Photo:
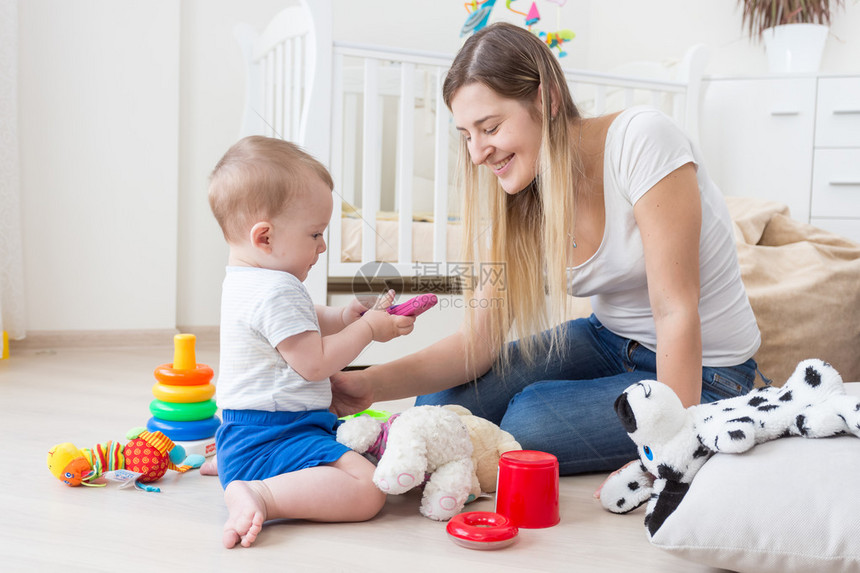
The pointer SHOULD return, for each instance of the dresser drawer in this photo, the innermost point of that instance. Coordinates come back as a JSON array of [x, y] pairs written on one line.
[[836, 183], [837, 122], [757, 138], [848, 228]]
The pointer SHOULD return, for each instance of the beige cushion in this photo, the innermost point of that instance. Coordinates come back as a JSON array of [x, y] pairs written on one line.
[[804, 287]]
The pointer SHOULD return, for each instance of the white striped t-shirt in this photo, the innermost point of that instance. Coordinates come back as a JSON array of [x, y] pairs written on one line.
[[259, 309]]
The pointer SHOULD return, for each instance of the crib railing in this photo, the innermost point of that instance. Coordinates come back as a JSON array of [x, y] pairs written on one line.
[[365, 75], [595, 93], [278, 74]]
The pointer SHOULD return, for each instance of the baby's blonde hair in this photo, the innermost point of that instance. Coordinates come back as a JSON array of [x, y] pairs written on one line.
[[257, 179], [526, 235]]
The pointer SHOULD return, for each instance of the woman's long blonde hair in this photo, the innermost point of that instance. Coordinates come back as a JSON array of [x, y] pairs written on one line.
[[526, 236]]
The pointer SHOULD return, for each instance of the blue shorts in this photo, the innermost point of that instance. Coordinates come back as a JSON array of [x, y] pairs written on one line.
[[256, 445]]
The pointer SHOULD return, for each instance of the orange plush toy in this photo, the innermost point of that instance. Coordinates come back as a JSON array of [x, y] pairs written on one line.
[[150, 454]]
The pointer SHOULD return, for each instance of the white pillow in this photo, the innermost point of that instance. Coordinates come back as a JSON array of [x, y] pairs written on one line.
[[792, 504]]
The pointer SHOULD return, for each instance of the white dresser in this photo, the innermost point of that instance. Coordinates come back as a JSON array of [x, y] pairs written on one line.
[[793, 139]]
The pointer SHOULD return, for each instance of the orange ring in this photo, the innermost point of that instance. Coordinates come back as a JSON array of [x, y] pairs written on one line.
[[183, 394], [481, 530], [167, 374]]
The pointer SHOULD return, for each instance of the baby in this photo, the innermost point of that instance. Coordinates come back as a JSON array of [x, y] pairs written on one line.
[[277, 453]]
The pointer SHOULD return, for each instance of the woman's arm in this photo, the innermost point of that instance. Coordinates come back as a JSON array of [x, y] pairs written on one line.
[[669, 217]]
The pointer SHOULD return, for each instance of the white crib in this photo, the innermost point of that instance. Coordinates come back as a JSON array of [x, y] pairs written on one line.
[[375, 116]]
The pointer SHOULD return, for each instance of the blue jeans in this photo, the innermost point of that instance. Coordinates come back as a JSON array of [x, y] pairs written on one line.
[[565, 407]]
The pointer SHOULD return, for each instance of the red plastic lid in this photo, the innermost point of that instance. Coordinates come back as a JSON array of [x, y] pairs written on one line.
[[483, 527], [529, 458]]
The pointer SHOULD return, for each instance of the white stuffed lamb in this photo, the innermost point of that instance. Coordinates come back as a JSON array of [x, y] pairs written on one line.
[[422, 441]]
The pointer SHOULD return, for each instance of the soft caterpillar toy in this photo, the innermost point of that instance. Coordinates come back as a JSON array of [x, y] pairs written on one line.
[[150, 454]]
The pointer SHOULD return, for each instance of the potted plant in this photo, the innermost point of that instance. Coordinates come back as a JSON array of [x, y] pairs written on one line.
[[794, 31]]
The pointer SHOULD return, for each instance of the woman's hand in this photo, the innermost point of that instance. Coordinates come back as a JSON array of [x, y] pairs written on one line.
[[351, 392]]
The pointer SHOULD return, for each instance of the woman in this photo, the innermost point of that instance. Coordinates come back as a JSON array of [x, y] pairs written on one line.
[[618, 208]]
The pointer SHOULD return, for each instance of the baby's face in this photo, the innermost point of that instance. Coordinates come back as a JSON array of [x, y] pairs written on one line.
[[298, 234]]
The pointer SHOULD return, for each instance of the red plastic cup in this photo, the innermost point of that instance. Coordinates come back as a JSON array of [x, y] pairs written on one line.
[[527, 491]]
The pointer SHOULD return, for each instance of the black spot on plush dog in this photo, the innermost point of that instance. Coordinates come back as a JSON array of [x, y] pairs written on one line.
[[625, 413], [737, 435], [675, 442], [813, 376]]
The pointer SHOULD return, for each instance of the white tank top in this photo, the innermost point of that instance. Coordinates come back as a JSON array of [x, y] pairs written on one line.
[[643, 146]]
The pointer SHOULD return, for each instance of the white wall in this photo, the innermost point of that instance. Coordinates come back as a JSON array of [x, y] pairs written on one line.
[[620, 30], [99, 135], [211, 103], [125, 108]]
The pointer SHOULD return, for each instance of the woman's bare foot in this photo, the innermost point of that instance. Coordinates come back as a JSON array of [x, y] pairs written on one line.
[[210, 467], [247, 510]]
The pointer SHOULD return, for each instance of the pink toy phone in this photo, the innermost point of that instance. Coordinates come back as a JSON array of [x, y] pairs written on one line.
[[413, 306]]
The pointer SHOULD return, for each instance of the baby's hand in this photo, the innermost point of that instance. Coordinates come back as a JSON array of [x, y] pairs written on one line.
[[359, 305], [386, 326]]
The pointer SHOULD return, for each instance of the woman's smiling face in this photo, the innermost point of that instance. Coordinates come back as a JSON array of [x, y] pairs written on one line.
[[503, 134]]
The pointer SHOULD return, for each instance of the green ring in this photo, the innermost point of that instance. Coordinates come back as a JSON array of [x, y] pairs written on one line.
[[380, 415], [183, 411]]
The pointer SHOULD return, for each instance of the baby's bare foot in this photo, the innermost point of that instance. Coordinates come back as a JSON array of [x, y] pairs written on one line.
[[247, 513], [210, 467]]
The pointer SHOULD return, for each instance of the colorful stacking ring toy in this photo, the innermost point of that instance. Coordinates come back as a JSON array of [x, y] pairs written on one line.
[[481, 530], [183, 408], [183, 411]]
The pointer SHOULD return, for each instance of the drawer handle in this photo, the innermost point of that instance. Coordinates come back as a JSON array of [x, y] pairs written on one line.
[[846, 111], [784, 112], [845, 183]]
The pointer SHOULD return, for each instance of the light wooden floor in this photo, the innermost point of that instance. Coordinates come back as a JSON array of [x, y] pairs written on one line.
[[87, 396]]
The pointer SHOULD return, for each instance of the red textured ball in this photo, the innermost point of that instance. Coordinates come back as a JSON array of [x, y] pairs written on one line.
[[143, 458]]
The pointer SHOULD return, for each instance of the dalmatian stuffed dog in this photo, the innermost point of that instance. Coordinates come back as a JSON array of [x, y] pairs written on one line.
[[674, 442]]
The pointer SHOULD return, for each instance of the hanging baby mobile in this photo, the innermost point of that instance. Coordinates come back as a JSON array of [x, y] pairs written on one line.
[[479, 14]]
